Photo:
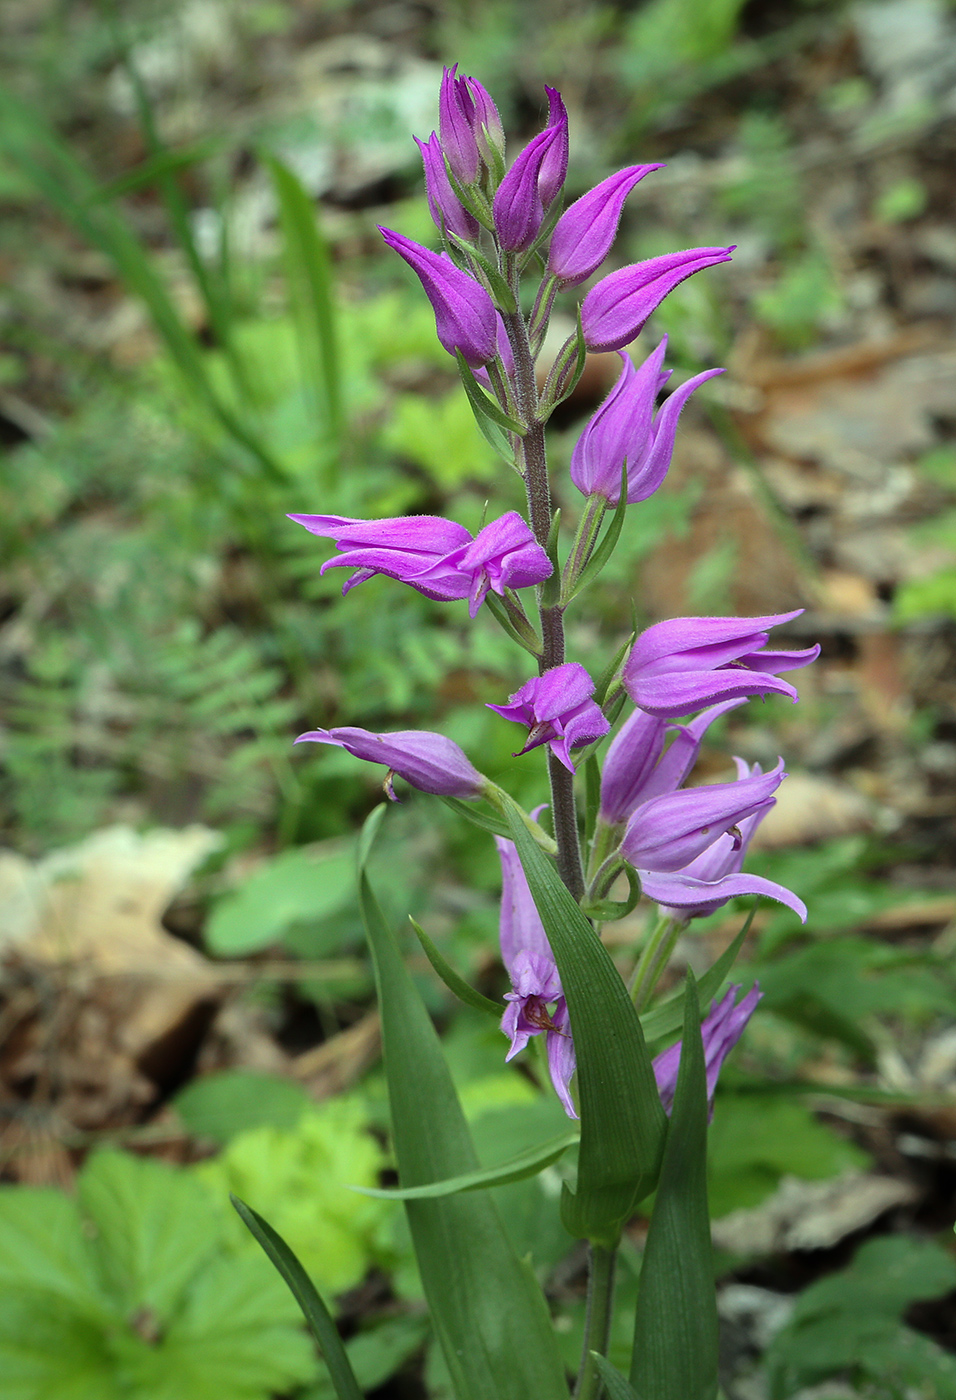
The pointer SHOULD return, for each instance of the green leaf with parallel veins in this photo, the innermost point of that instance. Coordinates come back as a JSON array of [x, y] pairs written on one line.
[[622, 1122], [615, 1384], [483, 405], [675, 1325], [489, 1313]]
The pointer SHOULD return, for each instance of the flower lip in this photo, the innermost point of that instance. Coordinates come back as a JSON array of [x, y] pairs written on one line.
[[558, 710]]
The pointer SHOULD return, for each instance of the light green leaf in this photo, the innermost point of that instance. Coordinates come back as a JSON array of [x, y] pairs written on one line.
[[42, 1248], [675, 1325], [488, 1312], [622, 1121], [49, 1350], [152, 1228], [517, 1169], [305, 883]]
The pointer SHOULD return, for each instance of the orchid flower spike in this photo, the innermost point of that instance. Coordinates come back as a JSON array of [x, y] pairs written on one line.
[[435, 556], [428, 761], [684, 663], [625, 431], [558, 710], [535, 983]]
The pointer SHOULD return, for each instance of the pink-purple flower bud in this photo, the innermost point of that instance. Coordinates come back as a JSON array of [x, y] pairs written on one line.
[[435, 556], [427, 760], [613, 312], [624, 429], [584, 233], [446, 208], [464, 315], [554, 166], [517, 208], [684, 663], [558, 710], [469, 125]]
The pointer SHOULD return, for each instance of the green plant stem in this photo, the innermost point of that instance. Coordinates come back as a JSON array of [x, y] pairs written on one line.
[[654, 959], [534, 464], [597, 1321]]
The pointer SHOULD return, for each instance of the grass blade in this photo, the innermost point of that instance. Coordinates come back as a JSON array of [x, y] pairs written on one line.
[[525, 1164]]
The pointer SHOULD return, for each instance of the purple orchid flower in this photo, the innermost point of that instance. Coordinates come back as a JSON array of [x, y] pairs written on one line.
[[685, 663], [428, 761], [554, 166], [637, 768], [535, 982], [666, 833], [706, 883], [584, 233], [614, 312], [720, 1029], [625, 430], [558, 710], [469, 124], [464, 314], [446, 208], [518, 209], [437, 557]]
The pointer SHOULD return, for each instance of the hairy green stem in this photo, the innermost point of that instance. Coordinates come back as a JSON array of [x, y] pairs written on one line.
[[534, 462], [597, 1322]]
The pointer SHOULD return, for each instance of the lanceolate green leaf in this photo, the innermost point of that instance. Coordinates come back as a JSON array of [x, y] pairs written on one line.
[[314, 1310], [517, 1169], [483, 405], [615, 1384], [669, 1015], [451, 979], [622, 1121], [675, 1326], [487, 1309]]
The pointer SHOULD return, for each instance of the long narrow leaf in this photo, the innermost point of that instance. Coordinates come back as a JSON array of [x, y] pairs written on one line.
[[452, 980], [487, 1308], [675, 1326], [314, 1310], [669, 1015], [622, 1121], [483, 404], [525, 1164]]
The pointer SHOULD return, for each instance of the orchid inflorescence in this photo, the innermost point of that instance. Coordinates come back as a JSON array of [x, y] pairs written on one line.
[[685, 845], [642, 1120]]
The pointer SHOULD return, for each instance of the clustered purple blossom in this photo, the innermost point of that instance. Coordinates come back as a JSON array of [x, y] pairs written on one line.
[[685, 844]]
